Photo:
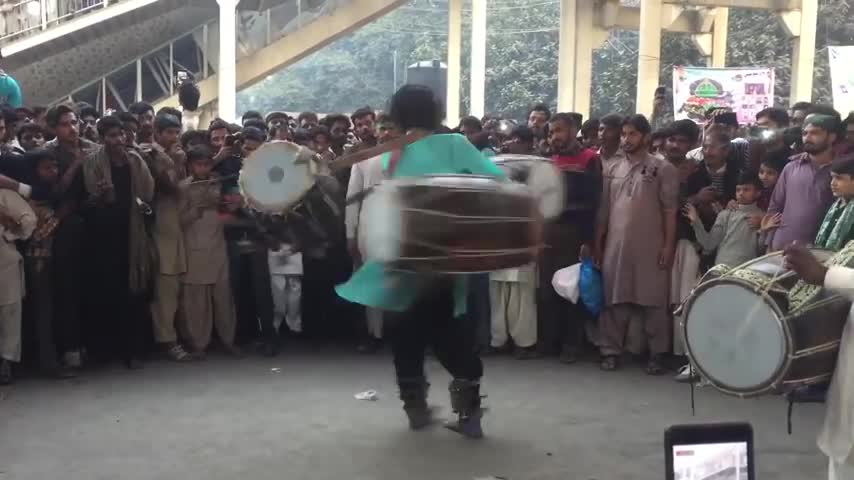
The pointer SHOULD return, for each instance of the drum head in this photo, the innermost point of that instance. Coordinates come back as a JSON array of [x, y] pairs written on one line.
[[735, 337], [381, 219], [543, 178], [275, 176]]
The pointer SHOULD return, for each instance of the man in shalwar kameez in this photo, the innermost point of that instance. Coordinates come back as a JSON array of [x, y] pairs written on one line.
[[635, 243], [836, 438]]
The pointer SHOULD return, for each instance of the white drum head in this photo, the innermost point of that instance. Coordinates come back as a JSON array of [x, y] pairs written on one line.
[[734, 337], [276, 175], [381, 218], [547, 186], [541, 176]]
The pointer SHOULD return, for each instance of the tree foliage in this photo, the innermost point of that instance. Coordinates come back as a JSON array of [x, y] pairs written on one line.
[[522, 53]]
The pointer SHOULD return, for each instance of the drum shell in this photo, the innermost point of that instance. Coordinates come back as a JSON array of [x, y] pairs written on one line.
[[460, 229]]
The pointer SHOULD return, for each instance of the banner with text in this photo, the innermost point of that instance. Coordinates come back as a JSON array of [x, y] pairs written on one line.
[[745, 90], [842, 78]]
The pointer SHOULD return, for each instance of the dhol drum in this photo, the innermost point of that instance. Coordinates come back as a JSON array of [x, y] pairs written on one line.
[[280, 181], [757, 329], [538, 173], [452, 224]]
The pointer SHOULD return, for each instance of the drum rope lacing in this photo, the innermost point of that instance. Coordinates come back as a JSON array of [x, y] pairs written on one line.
[[478, 218]]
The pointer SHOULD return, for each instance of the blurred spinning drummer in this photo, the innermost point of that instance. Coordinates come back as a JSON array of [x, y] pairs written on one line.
[[836, 438], [424, 310]]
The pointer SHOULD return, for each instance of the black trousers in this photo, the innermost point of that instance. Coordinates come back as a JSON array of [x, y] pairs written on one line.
[[39, 312], [430, 322], [69, 253], [253, 298], [560, 323]]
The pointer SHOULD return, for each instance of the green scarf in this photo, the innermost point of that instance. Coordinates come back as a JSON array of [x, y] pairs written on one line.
[[837, 228]]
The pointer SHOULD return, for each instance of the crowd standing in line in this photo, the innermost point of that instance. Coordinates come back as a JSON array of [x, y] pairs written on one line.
[[127, 233]]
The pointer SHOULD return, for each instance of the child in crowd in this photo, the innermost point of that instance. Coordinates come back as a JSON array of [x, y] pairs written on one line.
[[837, 228], [771, 165], [17, 222], [733, 237], [286, 282], [207, 300], [38, 265]]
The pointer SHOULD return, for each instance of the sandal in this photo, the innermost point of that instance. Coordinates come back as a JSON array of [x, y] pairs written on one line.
[[653, 366], [609, 363], [178, 354]]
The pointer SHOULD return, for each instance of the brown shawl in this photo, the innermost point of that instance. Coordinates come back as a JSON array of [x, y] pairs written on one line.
[[141, 252]]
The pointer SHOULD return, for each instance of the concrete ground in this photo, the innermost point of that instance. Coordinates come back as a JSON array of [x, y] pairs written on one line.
[[294, 417]]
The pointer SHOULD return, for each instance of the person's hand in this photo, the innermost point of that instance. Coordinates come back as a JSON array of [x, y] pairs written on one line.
[[690, 212], [665, 257], [77, 157], [770, 222], [732, 205], [755, 221], [598, 254], [585, 252], [233, 202], [224, 153], [8, 183], [801, 261], [355, 254], [707, 195], [7, 220]]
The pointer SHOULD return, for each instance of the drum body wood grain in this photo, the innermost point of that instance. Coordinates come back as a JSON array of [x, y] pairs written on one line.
[[452, 224], [756, 329]]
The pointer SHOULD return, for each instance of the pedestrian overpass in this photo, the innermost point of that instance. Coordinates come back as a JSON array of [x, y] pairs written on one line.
[[111, 53]]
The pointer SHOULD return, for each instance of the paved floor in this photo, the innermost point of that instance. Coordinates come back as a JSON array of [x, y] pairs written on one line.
[[294, 417]]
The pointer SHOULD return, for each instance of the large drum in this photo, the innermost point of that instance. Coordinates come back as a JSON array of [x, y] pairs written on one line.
[[757, 329], [541, 176], [280, 181], [452, 224]]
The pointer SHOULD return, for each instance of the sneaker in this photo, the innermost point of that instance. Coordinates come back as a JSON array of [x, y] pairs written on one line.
[[686, 374]]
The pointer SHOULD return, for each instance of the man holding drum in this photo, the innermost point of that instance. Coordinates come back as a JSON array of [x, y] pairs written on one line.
[[423, 309], [836, 438]]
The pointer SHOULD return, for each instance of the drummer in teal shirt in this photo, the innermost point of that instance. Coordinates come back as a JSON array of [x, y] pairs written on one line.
[[416, 319]]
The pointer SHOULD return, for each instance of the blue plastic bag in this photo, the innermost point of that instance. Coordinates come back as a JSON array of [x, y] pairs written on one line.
[[590, 286]]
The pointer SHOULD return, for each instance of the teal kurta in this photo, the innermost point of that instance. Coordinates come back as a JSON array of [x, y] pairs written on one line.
[[373, 285]]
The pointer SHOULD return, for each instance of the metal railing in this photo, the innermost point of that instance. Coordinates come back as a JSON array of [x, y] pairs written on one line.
[[276, 23], [27, 17]]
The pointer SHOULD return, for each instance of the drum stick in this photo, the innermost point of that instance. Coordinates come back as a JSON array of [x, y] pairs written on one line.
[[215, 180], [349, 160]]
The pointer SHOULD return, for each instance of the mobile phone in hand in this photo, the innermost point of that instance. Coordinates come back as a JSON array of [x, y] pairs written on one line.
[[723, 451]]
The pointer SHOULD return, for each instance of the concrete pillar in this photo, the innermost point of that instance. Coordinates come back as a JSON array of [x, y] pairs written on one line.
[[478, 58], [649, 55], [719, 37], [566, 56], [227, 73], [455, 37], [138, 93], [803, 53], [584, 43]]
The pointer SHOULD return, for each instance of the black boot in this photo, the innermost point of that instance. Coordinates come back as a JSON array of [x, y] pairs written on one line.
[[413, 392], [465, 401]]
